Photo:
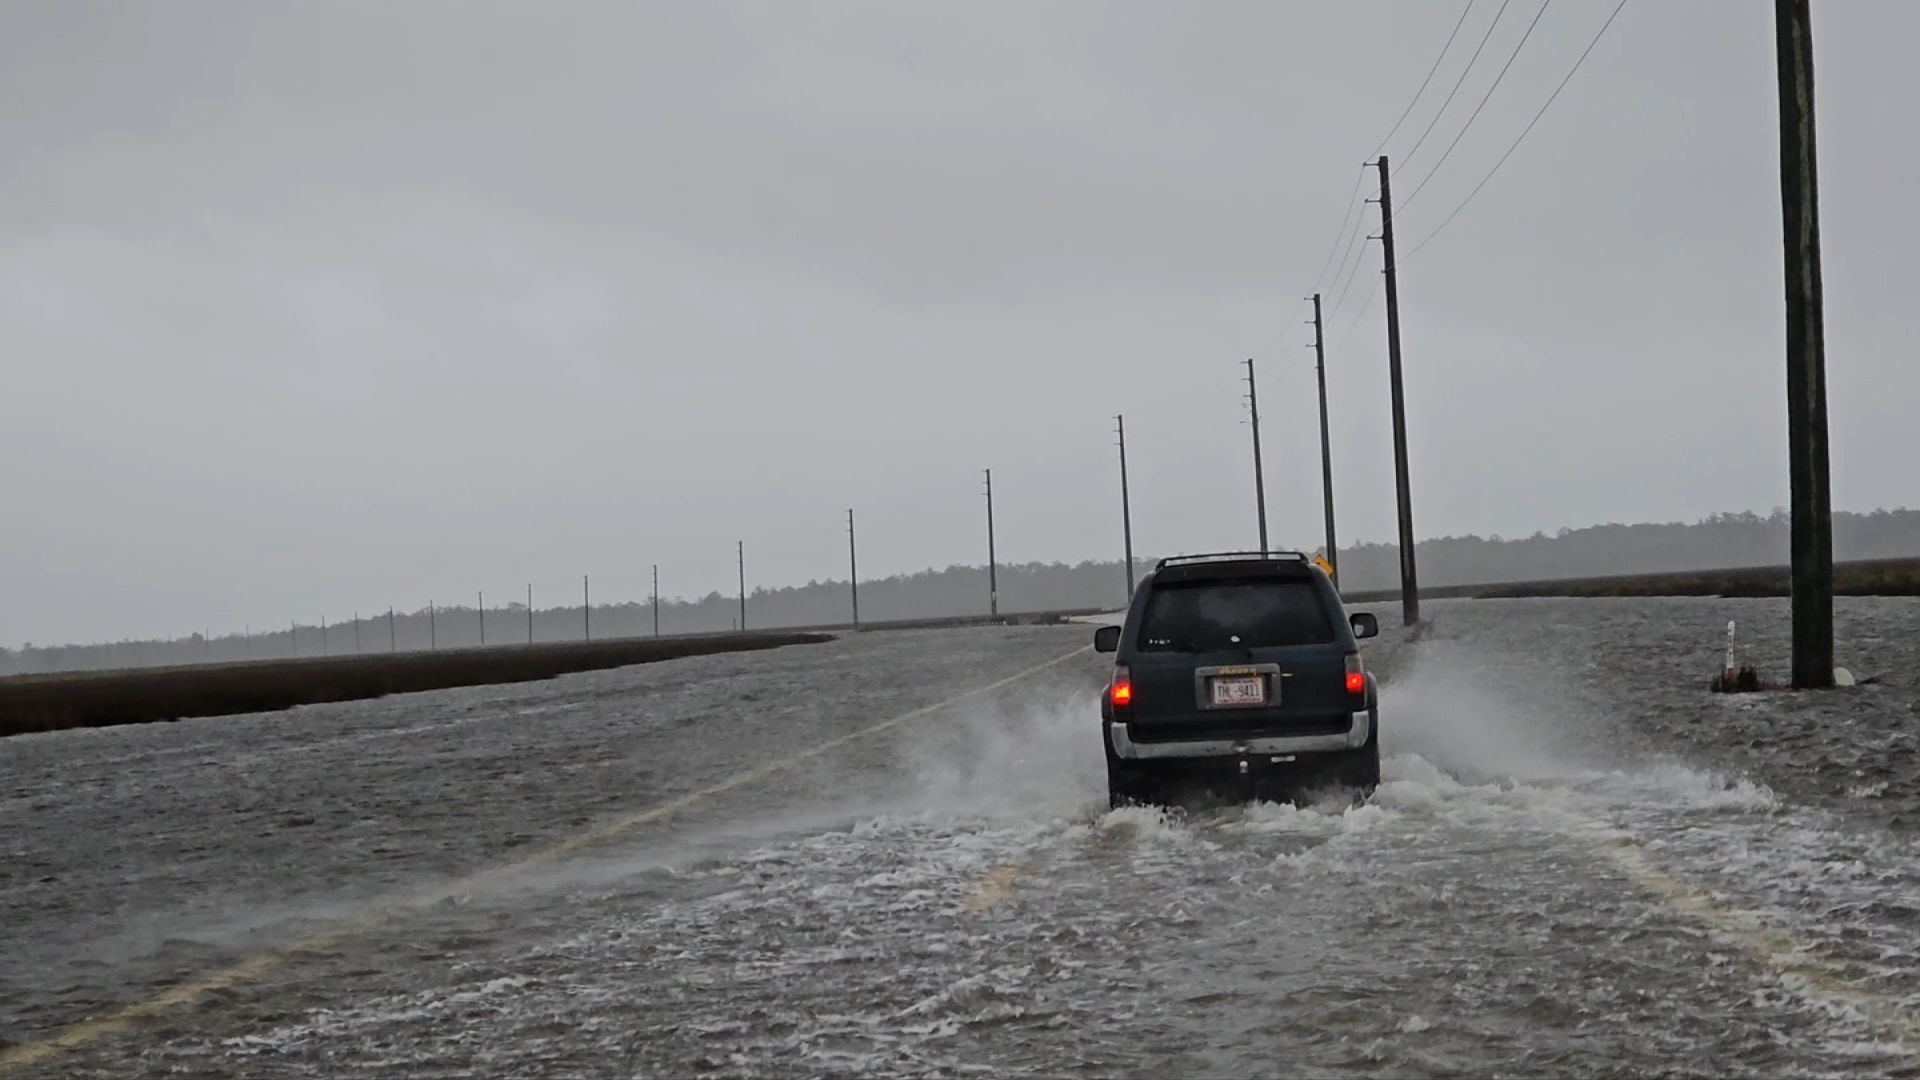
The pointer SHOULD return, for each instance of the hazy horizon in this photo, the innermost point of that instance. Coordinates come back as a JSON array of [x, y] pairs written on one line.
[[1720, 541], [315, 305]]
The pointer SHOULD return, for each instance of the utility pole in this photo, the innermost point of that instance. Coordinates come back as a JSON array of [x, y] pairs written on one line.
[[529, 613], [1126, 510], [656, 599], [433, 632], [356, 633], [1409, 577], [1812, 509], [586, 608], [993, 560], [247, 641], [480, 606], [853, 571], [393, 639], [741, 554], [325, 649], [1326, 439], [293, 638], [1259, 477]]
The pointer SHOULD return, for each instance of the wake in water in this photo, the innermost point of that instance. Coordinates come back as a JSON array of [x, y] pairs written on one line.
[[1511, 899]]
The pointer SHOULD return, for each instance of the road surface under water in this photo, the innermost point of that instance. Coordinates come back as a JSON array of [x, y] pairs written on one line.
[[1580, 863]]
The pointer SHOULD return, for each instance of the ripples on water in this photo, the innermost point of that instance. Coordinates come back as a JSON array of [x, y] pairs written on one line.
[[1565, 871]]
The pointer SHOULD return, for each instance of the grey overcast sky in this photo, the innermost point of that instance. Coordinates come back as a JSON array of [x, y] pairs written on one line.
[[309, 307]]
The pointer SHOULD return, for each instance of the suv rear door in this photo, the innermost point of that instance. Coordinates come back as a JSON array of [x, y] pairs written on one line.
[[1238, 648]]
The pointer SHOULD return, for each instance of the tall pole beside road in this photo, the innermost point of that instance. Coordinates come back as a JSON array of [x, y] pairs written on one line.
[[529, 613], [741, 547], [1126, 509], [480, 605], [1403, 486], [993, 560], [853, 572], [656, 599], [1326, 439], [1259, 477], [586, 608], [1812, 512]]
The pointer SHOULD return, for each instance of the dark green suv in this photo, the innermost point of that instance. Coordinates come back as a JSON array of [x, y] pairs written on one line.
[[1238, 669]]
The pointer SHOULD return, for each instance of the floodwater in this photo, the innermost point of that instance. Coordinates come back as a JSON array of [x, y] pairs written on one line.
[[1579, 863]]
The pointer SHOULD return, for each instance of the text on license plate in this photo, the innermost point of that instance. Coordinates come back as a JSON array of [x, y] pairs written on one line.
[[1243, 690]]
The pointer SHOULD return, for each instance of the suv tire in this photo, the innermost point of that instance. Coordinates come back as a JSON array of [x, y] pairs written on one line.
[[1358, 769], [1130, 784]]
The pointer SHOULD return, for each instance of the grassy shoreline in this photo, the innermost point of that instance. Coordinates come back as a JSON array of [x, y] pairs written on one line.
[[59, 701], [1876, 577], [65, 700]]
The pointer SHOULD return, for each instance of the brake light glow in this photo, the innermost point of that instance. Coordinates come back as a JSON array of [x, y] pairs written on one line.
[[1122, 693], [1356, 676]]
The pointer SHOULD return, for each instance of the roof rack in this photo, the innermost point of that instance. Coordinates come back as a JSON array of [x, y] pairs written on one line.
[[1231, 556]]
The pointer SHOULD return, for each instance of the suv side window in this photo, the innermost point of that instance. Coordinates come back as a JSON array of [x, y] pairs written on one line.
[[1207, 616]]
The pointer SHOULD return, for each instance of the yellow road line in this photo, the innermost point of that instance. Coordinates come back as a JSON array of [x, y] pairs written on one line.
[[190, 992], [995, 888], [1810, 976]]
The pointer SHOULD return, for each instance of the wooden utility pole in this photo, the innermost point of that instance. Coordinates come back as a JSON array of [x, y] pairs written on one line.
[[741, 552], [853, 572], [1812, 510], [393, 639], [1126, 509], [293, 638], [1259, 476], [529, 613], [993, 560], [586, 608], [356, 633], [325, 649], [433, 632], [480, 605], [1403, 486], [1326, 438], [656, 599]]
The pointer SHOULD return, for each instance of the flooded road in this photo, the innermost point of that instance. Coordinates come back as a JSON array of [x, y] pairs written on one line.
[[865, 857]]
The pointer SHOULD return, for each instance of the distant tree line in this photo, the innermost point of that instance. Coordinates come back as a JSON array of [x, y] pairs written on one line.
[[1722, 541], [1718, 542]]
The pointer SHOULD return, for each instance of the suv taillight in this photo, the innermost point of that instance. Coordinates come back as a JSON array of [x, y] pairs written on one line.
[[1121, 692], [1356, 677]]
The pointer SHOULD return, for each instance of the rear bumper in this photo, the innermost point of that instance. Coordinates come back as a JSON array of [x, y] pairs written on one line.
[[1352, 739]]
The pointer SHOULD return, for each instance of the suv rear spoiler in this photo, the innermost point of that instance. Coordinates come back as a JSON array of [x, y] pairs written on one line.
[[1230, 556]]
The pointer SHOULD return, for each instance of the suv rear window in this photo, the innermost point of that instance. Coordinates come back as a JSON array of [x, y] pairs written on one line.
[[1207, 616]]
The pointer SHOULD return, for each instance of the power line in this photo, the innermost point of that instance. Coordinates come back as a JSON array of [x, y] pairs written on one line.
[[1359, 315], [1353, 200], [1408, 111], [1347, 286], [1523, 133], [1484, 98], [1359, 230], [1283, 336], [1354, 209], [1464, 72]]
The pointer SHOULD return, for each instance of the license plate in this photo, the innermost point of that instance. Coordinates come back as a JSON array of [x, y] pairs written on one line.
[[1240, 690]]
